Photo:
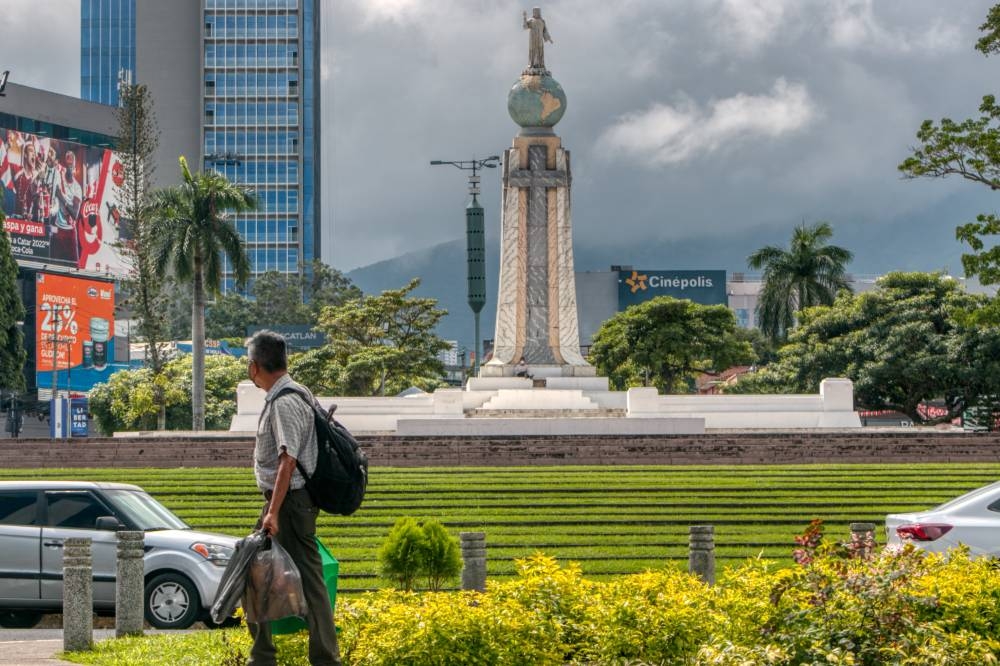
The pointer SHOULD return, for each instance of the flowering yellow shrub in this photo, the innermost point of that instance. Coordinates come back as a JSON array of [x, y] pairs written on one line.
[[839, 606], [661, 617], [436, 628]]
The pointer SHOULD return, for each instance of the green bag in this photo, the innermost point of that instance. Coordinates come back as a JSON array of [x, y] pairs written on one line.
[[331, 569]]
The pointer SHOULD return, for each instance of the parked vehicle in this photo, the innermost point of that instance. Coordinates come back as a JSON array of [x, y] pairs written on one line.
[[972, 519], [182, 567]]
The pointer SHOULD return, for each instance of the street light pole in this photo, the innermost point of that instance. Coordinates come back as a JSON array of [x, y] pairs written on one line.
[[475, 236]]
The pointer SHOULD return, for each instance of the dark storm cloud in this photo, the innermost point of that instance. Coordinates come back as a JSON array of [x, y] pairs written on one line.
[[684, 118]]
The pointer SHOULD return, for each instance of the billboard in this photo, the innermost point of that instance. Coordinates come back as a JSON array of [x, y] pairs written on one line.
[[705, 287], [61, 200], [74, 331]]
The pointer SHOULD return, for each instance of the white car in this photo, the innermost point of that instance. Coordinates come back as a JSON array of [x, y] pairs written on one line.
[[182, 567], [972, 519]]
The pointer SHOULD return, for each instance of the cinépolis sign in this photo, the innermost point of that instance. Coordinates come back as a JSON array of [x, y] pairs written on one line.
[[705, 287]]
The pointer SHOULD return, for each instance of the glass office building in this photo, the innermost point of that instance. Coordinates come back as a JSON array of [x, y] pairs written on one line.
[[235, 81], [260, 103], [107, 46]]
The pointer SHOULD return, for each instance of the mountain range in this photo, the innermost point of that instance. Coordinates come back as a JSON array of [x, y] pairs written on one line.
[[918, 242]]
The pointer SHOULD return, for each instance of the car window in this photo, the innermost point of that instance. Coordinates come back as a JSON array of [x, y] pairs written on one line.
[[978, 492], [79, 510], [995, 506], [18, 507], [144, 511]]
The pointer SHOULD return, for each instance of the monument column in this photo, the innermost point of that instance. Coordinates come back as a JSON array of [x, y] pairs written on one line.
[[536, 306]]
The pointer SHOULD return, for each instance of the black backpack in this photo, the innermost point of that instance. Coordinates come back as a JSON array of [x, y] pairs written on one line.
[[340, 479]]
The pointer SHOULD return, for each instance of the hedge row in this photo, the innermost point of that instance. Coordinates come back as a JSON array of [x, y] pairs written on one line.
[[839, 606]]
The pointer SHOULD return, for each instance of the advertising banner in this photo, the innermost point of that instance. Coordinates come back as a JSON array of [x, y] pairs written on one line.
[[705, 287], [79, 408], [74, 331], [61, 200]]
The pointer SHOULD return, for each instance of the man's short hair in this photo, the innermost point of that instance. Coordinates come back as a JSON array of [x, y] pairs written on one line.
[[268, 350]]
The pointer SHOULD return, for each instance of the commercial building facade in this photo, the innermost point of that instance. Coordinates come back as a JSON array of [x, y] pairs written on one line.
[[59, 182], [240, 96]]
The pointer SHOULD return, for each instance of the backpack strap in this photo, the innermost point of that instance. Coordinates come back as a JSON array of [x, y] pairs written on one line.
[[289, 389]]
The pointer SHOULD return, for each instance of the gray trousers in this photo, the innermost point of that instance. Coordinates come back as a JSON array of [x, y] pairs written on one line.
[[297, 535]]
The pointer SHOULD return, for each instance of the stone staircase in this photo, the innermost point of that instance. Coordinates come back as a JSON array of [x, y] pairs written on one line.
[[538, 402], [483, 413]]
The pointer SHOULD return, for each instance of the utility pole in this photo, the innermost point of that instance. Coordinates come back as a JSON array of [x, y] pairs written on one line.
[[55, 351], [475, 236]]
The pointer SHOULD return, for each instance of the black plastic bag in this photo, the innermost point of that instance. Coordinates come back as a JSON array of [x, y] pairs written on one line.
[[274, 586], [234, 578]]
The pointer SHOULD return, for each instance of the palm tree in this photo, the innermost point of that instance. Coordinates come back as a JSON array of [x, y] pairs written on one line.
[[193, 234], [809, 273]]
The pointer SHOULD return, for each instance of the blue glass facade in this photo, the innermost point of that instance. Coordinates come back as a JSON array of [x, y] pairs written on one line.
[[259, 90], [107, 46]]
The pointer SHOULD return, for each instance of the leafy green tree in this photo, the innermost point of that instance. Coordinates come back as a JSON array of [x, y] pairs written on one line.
[[144, 292], [126, 401], [969, 149], [278, 299], [12, 354], [808, 273], [901, 344], [667, 342], [327, 287], [229, 316], [193, 233], [376, 345]]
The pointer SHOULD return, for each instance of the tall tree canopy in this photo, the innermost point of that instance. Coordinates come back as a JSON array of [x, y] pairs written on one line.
[[810, 272], [904, 343], [12, 354], [193, 234], [145, 297], [969, 149], [667, 342], [376, 345]]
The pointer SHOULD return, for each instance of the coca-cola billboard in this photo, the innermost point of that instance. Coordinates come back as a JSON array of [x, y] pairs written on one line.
[[61, 201]]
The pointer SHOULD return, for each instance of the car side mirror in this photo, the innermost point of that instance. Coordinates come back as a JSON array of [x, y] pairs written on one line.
[[108, 523]]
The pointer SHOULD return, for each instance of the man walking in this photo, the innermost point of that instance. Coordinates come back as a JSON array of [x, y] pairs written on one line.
[[287, 433]]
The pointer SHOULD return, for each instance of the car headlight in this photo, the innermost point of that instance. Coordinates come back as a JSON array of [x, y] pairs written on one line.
[[214, 553]]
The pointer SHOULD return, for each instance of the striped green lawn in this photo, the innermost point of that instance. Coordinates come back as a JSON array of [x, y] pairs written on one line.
[[612, 520]]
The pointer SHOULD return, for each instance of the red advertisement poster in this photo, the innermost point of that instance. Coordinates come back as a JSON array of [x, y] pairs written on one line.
[[61, 200], [74, 331]]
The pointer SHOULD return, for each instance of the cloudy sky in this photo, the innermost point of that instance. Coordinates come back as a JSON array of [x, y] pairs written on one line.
[[686, 118]]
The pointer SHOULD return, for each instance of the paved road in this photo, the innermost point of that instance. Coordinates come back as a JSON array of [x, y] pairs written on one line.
[[34, 647]]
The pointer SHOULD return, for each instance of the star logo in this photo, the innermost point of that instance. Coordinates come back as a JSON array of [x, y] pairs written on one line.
[[637, 282]]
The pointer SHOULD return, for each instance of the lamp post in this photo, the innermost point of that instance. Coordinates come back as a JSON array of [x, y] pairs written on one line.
[[475, 242]]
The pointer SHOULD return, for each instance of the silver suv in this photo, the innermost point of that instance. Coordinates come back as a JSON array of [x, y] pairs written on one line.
[[182, 567]]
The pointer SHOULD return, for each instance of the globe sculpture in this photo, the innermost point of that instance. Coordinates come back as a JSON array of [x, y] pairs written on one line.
[[536, 100]]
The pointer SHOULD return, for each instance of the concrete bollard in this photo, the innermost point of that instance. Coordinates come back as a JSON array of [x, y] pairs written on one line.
[[78, 598], [129, 585], [863, 537], [473, 560], [701, 556]]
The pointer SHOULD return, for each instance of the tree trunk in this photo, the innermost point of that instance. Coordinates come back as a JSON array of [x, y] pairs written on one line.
[[198, 345]]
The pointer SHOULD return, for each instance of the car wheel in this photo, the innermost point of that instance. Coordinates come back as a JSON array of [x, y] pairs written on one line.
[[171, 601], [11, 619]]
